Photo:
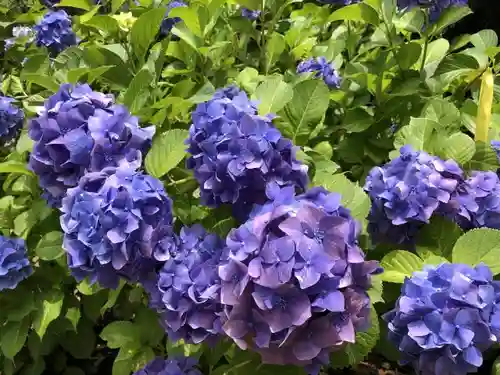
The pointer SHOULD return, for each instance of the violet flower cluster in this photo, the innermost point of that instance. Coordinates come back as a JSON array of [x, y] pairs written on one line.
[[406, 192], [111, 222], [236, 153], [186, 289], [321, 69], [11, 120], [14, 263], [252, 15], [54, 32], [169, 22], [79, 130], [170, 366], [294, 284], [445, 318], [435, 7]]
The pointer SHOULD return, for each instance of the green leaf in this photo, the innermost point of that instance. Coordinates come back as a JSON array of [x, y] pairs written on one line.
[[113, 297], [352, 354], [116, 4], [45, 81], [248, 79], [273, 94], [455, 66], [187, 36], [357, 120], [443, 112], [484, 39], [438, 238], [14, 167], [50, 246], [88, 289], [485, 159], [459, 147], [418, 133], [479, 246], [495, 370], [450, 16], [18, 303], [49, 311], [145, 30], [119, 334], [412, 20], [79, 4], [124, 361], [274, 49], [356, 12], [203, 94], [309, 104], [73, 315], [409, 54], [376, 291], [436, 52], [13, 336], [190, 18], [167, 152], [398, 265], [134, 96]]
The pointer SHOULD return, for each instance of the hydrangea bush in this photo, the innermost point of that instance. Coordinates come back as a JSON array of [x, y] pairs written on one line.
[[214, 187]]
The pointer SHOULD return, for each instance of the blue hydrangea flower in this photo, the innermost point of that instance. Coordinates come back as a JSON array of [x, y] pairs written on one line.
[[11, 120], [436, 7], [295, 280], [80, 130], [441, 323], [54, 32], [112, 222], [252, 15], [170, 366], [406, 192], [14, 263], [321, 69], [168, 23], [186, 291], [19, 32], [237, 153]]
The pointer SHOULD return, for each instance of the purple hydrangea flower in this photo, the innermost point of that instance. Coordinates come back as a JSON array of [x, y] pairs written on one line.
[[14, 263], [170, 366], [168, 23], [441, 323], [186, 291], [111, 222], [19, 32], [237, 153], [321, 69], [54, 32], [436, 7], [406, 192], [11, 120], [294, 284], [252, 15], [79, 130]]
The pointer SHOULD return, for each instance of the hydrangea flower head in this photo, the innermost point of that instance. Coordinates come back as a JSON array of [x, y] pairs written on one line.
[[406, 192], [441, 323], [252, 15], [237, 153], [14, 263], [80, 130], [112, 222], [321, 69], [169, 22], [436, 7], [295, 280], [19, 32], [54, 32], [11, 120], [170, 366], [186, 291]]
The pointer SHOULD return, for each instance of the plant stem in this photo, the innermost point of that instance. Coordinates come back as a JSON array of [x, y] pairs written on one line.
[[426, 43]]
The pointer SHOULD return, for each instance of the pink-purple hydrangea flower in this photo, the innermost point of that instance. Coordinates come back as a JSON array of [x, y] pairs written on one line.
[[14, 263], [170, 366]]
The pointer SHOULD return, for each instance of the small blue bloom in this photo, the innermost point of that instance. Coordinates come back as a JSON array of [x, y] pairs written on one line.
[[442, 320], [14, 263], [19, 32], [54, 32], [11, 120], [436, 7], [252, 15], [113, 222], [168, 23], [321, 69], [236, 153], [170, 366]]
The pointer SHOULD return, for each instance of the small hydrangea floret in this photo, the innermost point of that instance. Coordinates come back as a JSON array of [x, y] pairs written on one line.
[[321, 69], [252, 15], [435, 7], [11, 120], [169, 22], [111, 222], [54, 32], [170, 366], [445, 318], [14, 263]]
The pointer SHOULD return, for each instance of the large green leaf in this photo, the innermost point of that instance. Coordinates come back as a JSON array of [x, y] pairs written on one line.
[[450, 16], [50, 310], [80, 4], [273, 94], [438, 238], [484, 39], [14, 167], [398, 265], [167, 152], [13, 336], [138, 90], [120, 334], [459, 147], [356, 12], [479, 246], [50, 246], [484, 159], [419, 134], [145, 30], [190, 18]]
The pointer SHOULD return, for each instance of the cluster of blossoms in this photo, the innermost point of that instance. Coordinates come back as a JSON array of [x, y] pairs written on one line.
[[185, 291], [294, 284], [170, 366], [14, 264], [169, 22], [114, 224], [79, 130], [252, 15], [321, 69], [445, 318], [19, 32], [436, 7], [406, 192], [54, 32], [11, 120], [237, 153]]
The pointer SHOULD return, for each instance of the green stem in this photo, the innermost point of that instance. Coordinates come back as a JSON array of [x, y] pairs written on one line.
[[426, 43], [181, 181]]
